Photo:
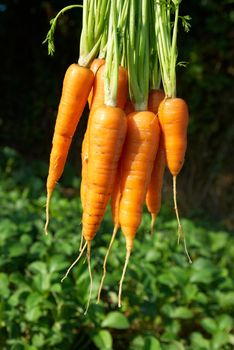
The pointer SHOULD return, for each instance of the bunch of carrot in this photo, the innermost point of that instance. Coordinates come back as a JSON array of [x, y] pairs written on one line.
[[135, 129]]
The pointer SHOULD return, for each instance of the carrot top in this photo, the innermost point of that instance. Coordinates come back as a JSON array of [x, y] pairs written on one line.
[[138, 53], [115, 49], [166, 35], [93, 29]]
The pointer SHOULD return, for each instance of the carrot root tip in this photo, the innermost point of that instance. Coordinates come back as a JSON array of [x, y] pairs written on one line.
[[90, 276], [49, 193], [105, 262], [153, 219], [81, 242], [122, 277], [74, 263], [180, 229]]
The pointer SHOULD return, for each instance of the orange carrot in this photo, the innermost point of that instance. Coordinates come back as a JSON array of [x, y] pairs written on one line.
[[173, 116], [153, 196], [139, 152], [106, 136], [98, 101], [84, 171], [95, 65], [76, 87]]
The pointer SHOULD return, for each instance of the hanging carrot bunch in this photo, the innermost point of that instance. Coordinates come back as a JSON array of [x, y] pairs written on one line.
[[135, 128]]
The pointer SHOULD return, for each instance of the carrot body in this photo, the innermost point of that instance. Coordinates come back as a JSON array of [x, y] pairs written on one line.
[[115, 198], [173, 117], [153, 195], [84, 171], [76, 87], [95, 65], [139, 152], [106, 136], [98, 101]]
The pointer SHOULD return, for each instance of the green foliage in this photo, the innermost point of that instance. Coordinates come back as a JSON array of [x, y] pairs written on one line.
[[168, 304]]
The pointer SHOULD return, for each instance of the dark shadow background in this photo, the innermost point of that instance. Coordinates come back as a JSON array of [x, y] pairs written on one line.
[[30, 84]]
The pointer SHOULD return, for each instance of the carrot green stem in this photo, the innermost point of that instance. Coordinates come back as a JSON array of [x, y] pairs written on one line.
[[174, 53], [166, 36], [155, 75], [50, 35], [112, 60], [138, 53], [93, 26]]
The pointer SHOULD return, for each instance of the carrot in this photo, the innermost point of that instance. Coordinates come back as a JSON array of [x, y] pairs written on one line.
[[139, 152], [173, 111], [84, 171], [95, 65], [76, 87], [173, 116], [106, 137], [98, 101], [153, 196]]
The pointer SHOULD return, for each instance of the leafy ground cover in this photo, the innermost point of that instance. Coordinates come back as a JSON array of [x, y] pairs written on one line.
[[167, 303]]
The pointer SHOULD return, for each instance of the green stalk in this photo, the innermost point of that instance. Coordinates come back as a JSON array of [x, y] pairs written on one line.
[[134, 90], [50, 35], [174, 53], [103, 44], [112, 60], [166, 44], [83, 38], [93, 19], [138, 55], [91, 24]]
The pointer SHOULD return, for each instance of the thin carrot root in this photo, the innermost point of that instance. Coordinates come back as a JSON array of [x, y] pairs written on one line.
[[176, 210], [153, 219], [180, 229], [105, 261], [123, 275], [49, 193], [90, 276], [74, 263], [81, 242]]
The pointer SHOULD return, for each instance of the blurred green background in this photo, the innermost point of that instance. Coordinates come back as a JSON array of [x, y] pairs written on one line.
[[167, 304]]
